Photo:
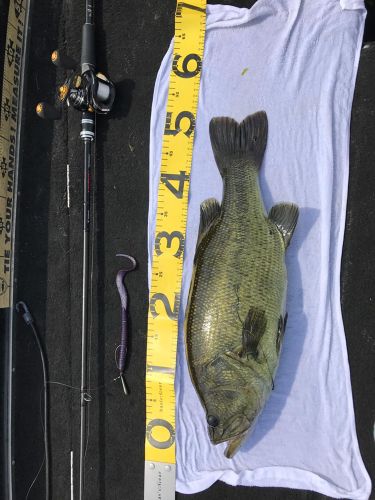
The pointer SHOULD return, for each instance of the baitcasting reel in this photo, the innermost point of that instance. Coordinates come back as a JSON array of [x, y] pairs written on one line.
[[86, 92]]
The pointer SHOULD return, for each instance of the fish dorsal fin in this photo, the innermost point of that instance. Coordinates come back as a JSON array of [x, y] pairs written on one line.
[[210, 210], [253, 330], [239, 141], [284, 216]]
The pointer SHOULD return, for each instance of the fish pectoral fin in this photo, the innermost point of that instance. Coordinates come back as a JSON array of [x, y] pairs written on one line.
[[285, 217], [253, 330], [210, 210]]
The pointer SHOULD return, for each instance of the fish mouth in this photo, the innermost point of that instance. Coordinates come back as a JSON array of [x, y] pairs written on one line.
[[233, 443], [221, 435]]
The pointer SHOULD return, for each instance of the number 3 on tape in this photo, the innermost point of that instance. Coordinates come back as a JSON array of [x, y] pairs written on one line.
[[167, 264]]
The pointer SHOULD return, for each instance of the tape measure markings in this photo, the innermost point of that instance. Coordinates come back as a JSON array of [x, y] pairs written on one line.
[[167, 263], [10, 105]]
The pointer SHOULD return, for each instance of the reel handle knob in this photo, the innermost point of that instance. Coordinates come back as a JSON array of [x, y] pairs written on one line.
[[62, 60], [48, 111]]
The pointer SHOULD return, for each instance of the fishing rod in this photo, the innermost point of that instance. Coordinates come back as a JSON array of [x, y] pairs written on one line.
[[89, 92]]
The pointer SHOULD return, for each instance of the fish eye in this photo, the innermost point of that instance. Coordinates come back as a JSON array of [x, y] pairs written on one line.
[[212, 421]]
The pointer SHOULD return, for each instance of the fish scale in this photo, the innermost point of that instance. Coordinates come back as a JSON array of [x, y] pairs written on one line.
[[234, 321]]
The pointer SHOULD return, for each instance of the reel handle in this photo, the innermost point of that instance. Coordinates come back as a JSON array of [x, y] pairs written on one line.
[[62, 60], [48, 111]]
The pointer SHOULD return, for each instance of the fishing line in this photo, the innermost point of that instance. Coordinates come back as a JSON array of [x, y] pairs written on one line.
[[44, 456], [22, 309], [88, 393], [53, 382], [35, 479]]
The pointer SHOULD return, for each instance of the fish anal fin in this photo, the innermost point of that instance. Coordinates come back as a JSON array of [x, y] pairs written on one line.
[[210, 210], [285, 217], [253, 330]]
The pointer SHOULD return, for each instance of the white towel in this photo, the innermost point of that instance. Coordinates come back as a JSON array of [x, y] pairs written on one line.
[[297, 60]]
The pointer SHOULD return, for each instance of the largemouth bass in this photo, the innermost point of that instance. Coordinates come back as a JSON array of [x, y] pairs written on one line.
[[235, 318]]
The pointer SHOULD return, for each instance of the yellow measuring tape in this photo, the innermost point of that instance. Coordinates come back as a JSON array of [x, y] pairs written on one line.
[[9, 117], [167, 263]]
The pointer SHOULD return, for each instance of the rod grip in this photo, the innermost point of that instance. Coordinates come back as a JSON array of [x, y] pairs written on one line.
[[88, 47]]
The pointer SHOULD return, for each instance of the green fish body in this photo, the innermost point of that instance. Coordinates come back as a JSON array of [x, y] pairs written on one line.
[[235, 317]]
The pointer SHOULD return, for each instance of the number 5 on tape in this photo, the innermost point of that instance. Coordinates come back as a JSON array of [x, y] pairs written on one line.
[[167, 264]]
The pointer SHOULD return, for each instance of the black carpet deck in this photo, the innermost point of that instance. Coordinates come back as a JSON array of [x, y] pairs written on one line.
[[132, 38]]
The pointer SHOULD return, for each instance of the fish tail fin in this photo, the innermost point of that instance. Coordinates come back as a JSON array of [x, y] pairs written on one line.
[[239, 141]]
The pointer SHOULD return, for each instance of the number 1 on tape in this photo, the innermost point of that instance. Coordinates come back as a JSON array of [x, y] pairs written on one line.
[[167, 264]]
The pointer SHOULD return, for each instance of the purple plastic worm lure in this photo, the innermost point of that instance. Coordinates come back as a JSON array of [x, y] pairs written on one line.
[[124, 320]]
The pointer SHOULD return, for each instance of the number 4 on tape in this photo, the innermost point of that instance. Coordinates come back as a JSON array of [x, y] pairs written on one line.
[[180, 178]]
